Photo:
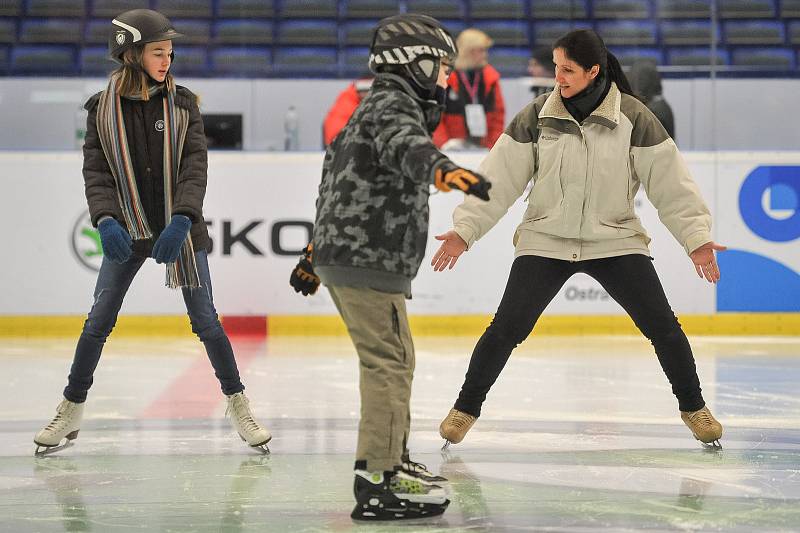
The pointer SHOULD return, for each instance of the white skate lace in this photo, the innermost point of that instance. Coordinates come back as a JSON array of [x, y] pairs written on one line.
[[55, 423], [241, 410], [60, 420]]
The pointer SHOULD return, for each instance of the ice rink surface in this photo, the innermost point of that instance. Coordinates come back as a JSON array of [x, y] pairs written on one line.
[[579, 434]]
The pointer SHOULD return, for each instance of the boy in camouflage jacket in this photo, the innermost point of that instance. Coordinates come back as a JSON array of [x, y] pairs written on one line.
[[369, 241]]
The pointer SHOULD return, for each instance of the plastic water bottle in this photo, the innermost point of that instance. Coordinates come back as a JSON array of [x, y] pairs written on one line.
[[291, 130], [80, 126]]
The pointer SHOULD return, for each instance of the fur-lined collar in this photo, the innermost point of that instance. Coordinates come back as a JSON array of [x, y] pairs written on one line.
[[607, 113]]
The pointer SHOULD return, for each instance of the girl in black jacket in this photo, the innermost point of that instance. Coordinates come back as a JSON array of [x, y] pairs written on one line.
[[145, 163]]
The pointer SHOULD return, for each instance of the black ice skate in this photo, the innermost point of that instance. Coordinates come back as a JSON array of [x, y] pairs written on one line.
[[395, 496]]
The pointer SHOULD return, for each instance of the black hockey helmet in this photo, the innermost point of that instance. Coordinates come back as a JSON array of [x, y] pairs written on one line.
[[137, 27], [415, 44]]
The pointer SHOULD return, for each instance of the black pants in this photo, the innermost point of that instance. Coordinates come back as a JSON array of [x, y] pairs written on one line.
[[534, 281]]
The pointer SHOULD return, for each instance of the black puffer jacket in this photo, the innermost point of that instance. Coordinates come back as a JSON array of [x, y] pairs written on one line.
[[144, 126]]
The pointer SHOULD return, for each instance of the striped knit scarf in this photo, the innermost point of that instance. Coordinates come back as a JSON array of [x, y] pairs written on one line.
[[113, 138]]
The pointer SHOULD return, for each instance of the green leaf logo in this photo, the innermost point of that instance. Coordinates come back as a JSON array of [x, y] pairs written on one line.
[[85, 241]]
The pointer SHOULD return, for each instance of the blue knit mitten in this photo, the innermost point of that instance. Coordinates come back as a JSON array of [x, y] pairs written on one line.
[[115, 240], [168, 246]]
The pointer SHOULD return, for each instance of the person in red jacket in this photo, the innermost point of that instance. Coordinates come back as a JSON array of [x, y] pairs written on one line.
[[474, 113], [344, 106]]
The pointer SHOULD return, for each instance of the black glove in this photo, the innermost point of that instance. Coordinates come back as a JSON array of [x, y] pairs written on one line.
[[303, 278], [449, 175], [115, 240]]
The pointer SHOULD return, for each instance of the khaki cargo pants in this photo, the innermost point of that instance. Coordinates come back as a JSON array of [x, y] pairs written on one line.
[[378, 326]]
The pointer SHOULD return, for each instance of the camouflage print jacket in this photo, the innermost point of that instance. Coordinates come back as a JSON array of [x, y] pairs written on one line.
[[372, 212]]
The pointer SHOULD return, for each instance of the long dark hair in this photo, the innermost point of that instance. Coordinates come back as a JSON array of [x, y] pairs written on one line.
[[587, 49]]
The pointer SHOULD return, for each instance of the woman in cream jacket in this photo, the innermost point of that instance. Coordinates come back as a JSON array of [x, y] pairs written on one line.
[[587, 146]]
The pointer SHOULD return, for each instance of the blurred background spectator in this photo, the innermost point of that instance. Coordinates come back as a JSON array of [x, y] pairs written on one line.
[[343, 108], [646, 83], [542, 70], [474, 110]]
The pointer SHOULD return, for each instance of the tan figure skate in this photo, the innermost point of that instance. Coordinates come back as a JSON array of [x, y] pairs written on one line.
[[704, 426], [455, 426]]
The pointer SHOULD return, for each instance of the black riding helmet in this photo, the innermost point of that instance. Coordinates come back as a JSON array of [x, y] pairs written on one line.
[[137, 27], [412, 45]]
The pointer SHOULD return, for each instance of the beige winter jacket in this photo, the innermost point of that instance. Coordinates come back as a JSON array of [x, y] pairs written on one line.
[[585, 177]]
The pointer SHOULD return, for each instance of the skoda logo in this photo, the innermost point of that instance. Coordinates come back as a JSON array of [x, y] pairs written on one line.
[[769, 202], [86, 243], [121, 37]]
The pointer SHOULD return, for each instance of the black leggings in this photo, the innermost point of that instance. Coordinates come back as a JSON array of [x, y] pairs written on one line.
[[534, 281]]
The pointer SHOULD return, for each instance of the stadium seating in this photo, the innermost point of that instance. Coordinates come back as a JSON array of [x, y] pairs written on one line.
[[790, 8], [328, 37], [184, 8], [621, 9], [95, 61], [42, 60], [3, 59], [243, 32], [497, 9], [759, 32], [245, 8], [680, 9], [680, 32], [748, 9], [370, 8], [445, 9], [111, 8], [309, 32], [56, 8], [247, 61], [506, 33], [629, 33], [51, 31], [317, 62], [10, 8], [559, 9], [8, 31], [309, 8], [771, 58]]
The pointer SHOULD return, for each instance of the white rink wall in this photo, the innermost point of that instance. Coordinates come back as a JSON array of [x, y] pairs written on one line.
[[260, 206]]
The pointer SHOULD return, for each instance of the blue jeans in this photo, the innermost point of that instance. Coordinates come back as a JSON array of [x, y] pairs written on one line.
[[112, 285]]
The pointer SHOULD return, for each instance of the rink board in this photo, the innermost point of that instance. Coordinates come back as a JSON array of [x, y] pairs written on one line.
[[260, 207]]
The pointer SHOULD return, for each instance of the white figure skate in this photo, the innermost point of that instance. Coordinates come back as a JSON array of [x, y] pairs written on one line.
[[65, 425], [253, 433]]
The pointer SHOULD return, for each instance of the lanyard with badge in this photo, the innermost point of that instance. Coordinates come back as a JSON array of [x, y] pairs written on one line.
[[473, 111]]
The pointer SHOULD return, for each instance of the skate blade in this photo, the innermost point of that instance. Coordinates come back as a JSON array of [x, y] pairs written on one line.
[[261, 447], [48, 450], [713, 446]]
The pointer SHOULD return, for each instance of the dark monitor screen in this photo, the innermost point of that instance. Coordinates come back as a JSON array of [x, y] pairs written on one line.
[[223, 131]]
